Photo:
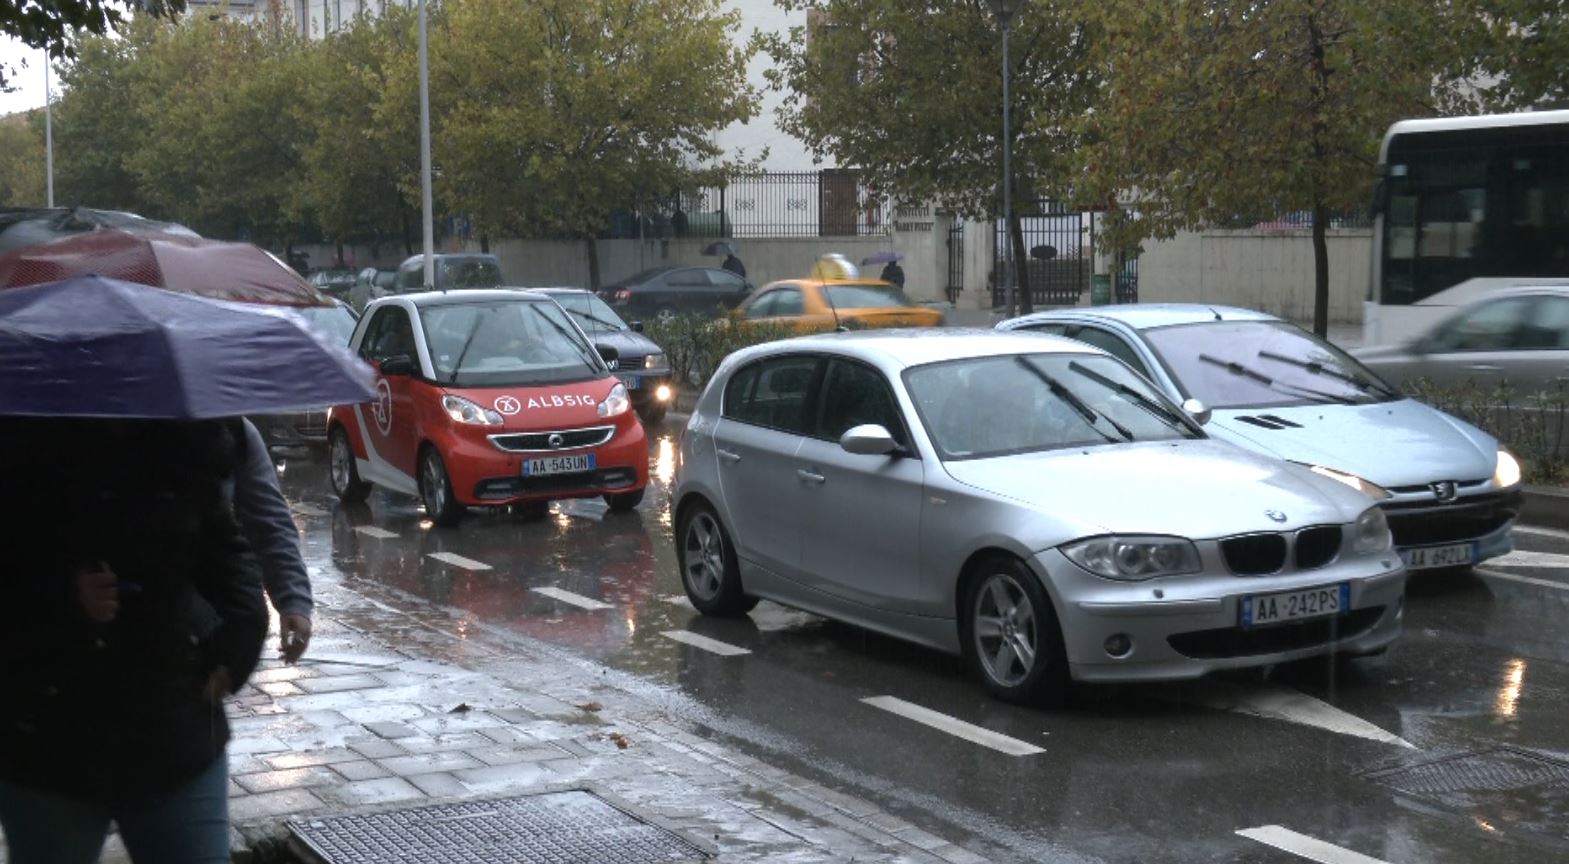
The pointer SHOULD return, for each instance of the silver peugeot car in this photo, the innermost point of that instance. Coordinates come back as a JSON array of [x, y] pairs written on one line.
[[1450, 491], [1030, 503]]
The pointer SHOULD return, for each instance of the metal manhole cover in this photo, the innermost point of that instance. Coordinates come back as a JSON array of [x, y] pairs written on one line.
[[1504, 786], [569, 827]]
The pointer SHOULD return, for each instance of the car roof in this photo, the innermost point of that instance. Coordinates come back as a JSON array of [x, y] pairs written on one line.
[[917, 346], [450, 256], [469, 295], [553, 289], [1143, 316]]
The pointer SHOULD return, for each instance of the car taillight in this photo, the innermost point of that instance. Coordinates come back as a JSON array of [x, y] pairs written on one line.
[[624, 295]]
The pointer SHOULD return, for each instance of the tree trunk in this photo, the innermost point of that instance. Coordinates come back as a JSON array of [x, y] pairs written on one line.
[[1320, 268], [592, 248], [1021, 264], [484, 243], [408, 241]]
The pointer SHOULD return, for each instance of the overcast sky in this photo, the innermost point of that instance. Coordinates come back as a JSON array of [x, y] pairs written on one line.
[[29, 81]]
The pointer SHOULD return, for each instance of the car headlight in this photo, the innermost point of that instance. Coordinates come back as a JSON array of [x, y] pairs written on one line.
[[1507, 472], [616, 403], [1134, 558], [464, 411], [1371, 533], [654, 361], [1366, 487]]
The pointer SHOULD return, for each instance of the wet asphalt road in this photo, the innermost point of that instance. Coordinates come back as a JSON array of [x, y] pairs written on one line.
[[1454, 747]]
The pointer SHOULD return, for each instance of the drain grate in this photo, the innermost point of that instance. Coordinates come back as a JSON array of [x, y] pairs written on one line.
[[549, 828], [1504, 769]]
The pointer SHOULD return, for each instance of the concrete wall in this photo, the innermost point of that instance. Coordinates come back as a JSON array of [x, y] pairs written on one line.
[[1267, 270]]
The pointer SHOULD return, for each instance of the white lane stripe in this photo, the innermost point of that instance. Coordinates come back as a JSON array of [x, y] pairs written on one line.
[[1525, 580], [678, 600], [1304, 846], [1541, 532], [954, 726], [373, 531], [1519, 558], [577, 600], [459, 561], [309, 510], [1280, 703], [723, 649]]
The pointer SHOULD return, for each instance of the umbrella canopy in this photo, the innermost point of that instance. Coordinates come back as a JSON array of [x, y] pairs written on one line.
[[719, 247], [188, 265], [96, 347], [21, 227], [886, 257]]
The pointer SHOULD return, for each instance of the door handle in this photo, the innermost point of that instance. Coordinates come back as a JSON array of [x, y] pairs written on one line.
[[811, 477], [1484, 367], [727, 456]]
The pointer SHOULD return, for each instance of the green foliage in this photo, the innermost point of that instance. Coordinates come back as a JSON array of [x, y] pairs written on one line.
[[696, 344], [52, 24], [1516, 54], [1531, 425], [22, 160]]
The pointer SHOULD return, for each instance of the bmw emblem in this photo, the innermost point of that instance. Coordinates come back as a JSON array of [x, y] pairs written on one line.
[[1275, 515], [555, 440]]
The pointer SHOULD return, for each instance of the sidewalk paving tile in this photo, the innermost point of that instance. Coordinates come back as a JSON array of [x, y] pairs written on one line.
[[439, 785], [392, 729], [309, 758], [279, 688], [338, 683], [428, 763], [392, 713], [374, 748], [443, 743], [293, 778], [361, 770], [503, 755], [523, 775], [387, 790], [287, 802]]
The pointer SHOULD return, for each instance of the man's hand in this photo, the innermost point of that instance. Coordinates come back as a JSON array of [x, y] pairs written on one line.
[[219, 685], [98, 591], [294, 636]]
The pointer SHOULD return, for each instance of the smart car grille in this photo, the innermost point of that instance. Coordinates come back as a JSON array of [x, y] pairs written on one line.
[[1317, 546], [503, 488], [533, 442], [1239, 642], [1254, 554], [1467, 519]]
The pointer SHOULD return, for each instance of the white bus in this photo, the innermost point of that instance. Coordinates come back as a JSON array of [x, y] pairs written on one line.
[[1465, 205]]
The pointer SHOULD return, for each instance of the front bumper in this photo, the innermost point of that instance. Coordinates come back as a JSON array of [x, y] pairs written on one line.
[[1188, 627], [485, 476], [1484, 519], [648, 384]]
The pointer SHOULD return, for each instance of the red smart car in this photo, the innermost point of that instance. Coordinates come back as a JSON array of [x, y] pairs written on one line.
[[485, 398]]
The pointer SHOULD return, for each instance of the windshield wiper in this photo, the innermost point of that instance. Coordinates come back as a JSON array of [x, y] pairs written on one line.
[[1316, 368], [1160, 411], [589, 358], [468, 341], [1236, 368], [1078, 405]]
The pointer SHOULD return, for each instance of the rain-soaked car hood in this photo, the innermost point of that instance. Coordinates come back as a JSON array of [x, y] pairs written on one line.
[[1400, 443], [627, 343], [1191, 488]]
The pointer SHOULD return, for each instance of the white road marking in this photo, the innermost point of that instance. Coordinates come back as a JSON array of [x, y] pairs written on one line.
[[678, 600], [1520, 558], [1525, 580], [1304, 846], [459, 561], [954, 726], [714, 646], [309, 510], [1280, 703], [577, 600], [373, 531], [1541, 532]]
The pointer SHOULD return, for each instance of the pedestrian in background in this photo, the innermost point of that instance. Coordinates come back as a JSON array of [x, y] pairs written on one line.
[[892, 272], [734, 265], [135, 607], [268, 524]]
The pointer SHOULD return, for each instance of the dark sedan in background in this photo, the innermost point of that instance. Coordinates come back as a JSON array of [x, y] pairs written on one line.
[[664, 292], [640, 364], [309, 428]]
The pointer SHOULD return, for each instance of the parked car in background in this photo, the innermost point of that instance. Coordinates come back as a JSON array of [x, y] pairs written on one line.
[[1515, 337], [452, 272], [1450, 491], [1032, 504], [664, 292], [640, 363], [816, 305], [486, 398], [309, 428], [335, 282], [371, 284]]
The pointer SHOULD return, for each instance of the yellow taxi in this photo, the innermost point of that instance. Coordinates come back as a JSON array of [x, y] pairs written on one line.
[[834, 296]]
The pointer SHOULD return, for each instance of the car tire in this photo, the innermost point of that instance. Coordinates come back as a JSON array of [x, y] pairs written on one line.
[[435, 490], [624, 502], [342, 471], [1011, 637], [710, 572]]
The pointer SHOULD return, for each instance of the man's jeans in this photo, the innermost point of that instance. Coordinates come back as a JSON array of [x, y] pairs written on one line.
[[187, 826]]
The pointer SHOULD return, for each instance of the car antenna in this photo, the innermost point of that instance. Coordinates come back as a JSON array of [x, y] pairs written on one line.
[[1216, 314], [829, 299]]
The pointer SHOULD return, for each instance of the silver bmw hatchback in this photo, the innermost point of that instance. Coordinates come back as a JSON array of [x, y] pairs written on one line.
[[1030, 503]]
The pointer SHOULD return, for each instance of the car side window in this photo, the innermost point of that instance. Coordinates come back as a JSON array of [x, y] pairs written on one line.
[[772, 393], [1548, 326], [855, 394], [1112, 344], [390, 334], [763, 306], [411, 278], [687, 279], [1050, 329], [724, 280], [1490, 327], [788, 302]]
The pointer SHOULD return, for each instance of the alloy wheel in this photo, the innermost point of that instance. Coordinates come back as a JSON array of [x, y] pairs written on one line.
[[436, 491], [341, 464], [704, 561], [1006, 636]]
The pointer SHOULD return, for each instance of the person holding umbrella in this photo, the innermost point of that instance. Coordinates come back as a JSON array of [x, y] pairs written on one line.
[[892, 272], [136, 604], [732, 262]]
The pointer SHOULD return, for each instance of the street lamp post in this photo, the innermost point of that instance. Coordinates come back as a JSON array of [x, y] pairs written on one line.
[[426, 216], [48, 133], [1005, 10]]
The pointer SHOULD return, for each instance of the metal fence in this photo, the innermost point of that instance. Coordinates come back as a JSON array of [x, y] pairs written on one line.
[[1058, 258], [1299, 220], [955, 261], [827, 203]]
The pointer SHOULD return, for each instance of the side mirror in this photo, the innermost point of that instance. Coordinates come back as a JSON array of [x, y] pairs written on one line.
[[637, 326], [868, 440], [397, 364], [610, 355], [1197, 410]]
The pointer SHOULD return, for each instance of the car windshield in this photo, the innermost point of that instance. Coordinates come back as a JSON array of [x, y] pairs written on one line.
[[1023, 403], [866, 296], [591, 312], [334, 322], [469, 273], [1258, 364], [504, 343]]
